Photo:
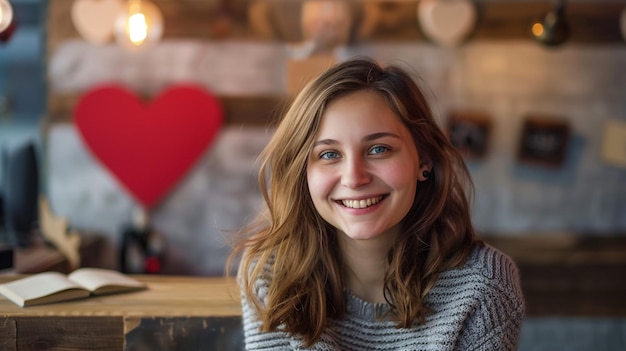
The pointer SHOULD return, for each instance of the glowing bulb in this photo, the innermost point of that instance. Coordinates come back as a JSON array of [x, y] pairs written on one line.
[[6, 15], [537, 29], [137, 28], [139, 25]]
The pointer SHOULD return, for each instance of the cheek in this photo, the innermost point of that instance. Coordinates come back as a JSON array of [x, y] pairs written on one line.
[[318, 184], [317, 190], [399, 176]]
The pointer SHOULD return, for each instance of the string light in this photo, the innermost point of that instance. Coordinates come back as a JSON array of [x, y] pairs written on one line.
[[137, 28], [537, 29], [139, 25]]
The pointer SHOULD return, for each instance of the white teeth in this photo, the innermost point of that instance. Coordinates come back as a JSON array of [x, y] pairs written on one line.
[[362, 203]]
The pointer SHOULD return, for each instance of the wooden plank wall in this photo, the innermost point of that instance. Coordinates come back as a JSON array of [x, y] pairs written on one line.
[[590, 22], [375, 21]]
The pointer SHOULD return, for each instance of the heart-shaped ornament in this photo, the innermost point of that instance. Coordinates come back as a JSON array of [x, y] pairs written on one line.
[[447, 22], [95, 19], [148, 147]]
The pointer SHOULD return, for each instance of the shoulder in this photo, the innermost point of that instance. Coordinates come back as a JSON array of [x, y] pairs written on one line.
[[479, 304], [488, 276], [497, 303], [492, 264], [258, 283]]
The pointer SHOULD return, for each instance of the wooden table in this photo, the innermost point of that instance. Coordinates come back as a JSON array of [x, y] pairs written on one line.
[[174, 313]]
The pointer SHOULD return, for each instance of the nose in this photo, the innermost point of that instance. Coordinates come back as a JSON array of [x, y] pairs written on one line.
[[355, 173]]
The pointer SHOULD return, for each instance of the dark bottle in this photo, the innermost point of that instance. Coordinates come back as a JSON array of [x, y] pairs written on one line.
[[142, 247]]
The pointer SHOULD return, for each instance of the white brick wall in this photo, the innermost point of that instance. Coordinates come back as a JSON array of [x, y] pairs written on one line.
[[584, 84]]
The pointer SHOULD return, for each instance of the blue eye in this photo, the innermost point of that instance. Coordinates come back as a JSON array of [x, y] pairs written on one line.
[[378, 149], [329, 155]]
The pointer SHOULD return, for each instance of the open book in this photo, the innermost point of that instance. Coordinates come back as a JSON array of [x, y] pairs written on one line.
[[51, 287]]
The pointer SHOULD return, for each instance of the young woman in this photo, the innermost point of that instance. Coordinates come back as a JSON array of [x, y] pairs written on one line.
[[367, 242]]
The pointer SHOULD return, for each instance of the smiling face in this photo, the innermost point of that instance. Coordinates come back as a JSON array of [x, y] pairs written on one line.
[[363, 169]]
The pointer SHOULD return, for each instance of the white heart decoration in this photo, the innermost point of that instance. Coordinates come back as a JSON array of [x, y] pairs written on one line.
[[95, 19], [446, 22]]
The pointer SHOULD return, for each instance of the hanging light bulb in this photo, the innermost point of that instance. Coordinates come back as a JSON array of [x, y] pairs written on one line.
[[139, 25], [137, 28], [6, 15]]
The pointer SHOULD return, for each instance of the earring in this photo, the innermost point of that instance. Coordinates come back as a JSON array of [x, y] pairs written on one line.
[[426, 174]]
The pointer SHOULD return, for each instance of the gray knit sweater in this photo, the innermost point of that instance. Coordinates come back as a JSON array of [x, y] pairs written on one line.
[[476, 307]]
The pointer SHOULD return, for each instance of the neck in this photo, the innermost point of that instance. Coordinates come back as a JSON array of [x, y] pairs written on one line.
[[365, 264]]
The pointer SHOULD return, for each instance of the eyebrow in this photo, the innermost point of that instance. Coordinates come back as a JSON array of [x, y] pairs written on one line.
[[369, 137]]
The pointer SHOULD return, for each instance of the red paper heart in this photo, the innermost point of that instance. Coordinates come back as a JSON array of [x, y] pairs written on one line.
[[148, 147]]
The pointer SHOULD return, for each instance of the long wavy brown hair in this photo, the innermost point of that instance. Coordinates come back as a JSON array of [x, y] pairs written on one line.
[[295, 251]]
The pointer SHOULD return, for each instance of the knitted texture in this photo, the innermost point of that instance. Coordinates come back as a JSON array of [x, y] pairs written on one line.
[[476, 307]]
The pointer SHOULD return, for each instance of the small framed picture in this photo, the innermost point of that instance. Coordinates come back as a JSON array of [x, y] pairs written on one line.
[[469, 133], [544, 141]]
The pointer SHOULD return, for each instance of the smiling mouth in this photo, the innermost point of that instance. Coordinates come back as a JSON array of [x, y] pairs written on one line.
[[365, 203]]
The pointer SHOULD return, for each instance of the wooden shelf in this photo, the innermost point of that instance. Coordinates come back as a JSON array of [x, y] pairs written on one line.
[[569, 274], [246, 111], [373, 21]]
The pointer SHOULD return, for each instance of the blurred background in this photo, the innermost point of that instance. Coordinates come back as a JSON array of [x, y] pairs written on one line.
[[533, 93]]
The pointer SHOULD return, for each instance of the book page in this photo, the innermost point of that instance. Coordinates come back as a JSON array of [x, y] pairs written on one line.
[[104, 280], [40, 285]]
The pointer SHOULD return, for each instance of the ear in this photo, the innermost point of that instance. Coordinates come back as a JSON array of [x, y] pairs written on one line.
[[425, 170]]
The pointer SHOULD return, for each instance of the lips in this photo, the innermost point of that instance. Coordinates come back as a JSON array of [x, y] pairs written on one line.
[[362, 203]]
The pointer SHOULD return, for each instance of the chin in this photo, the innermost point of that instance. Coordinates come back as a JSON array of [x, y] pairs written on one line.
[[363, 234]]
